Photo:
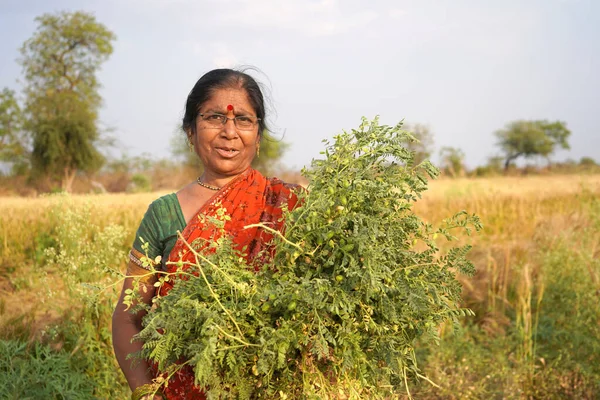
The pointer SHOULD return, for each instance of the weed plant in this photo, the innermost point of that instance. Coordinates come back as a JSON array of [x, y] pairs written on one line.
[[83, 257]]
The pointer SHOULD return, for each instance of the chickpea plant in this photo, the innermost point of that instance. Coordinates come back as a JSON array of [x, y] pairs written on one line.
[[355, 280]]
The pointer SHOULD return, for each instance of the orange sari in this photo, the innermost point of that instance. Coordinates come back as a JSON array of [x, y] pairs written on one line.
[[248, 199]]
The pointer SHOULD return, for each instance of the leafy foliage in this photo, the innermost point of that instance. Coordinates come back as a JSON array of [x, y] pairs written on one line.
[[60, 63], [83, 260], [356, 280], [13, 142]]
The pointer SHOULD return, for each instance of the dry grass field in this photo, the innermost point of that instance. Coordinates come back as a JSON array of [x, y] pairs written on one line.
[[536, 293]]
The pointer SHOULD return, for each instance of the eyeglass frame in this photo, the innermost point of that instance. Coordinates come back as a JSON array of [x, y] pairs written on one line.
[[224, 118]]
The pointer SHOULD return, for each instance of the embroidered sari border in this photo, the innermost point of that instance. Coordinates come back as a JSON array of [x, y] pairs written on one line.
[[136, 256]]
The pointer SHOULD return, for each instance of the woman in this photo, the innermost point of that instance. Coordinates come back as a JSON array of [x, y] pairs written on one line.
[[223, 121]]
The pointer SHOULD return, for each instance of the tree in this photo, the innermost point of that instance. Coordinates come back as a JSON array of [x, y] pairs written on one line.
[[13, 141], [532, 138], [423, 146], [587, 162], [60, 62], [181, 150], [452, 160], [271, 151]]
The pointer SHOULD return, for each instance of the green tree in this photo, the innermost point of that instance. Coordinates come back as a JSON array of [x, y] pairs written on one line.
[[59, 63], [423, 146], [531, 139], [452, 159], [13, 141], [587, 162], [182, 152], [271, 151]]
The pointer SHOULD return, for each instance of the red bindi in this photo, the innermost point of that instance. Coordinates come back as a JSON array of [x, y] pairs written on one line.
[[229, 107]]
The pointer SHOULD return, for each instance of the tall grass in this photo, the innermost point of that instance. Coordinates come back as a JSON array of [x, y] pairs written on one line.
[[536, 296]]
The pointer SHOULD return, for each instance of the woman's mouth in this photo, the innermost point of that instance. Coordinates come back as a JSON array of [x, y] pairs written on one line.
[[226, 152]]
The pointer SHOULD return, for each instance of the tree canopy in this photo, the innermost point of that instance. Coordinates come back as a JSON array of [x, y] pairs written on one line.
[[13, 141], [60, 62], [532, 138], [452, 161]]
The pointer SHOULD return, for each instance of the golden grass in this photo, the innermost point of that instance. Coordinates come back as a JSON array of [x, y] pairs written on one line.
[[514, 211], [523, 186]]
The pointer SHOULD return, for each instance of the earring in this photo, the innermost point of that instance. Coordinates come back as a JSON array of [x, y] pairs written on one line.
[[257, 150], [190, 146]]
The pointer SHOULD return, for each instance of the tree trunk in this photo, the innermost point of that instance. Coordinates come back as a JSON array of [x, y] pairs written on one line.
[[68, 178], [509, 158]]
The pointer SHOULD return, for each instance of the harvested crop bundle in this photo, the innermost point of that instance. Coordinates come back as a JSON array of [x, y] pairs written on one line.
[[349, 287]]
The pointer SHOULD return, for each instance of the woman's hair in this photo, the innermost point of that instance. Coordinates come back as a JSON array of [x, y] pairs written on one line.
[[223, 78]]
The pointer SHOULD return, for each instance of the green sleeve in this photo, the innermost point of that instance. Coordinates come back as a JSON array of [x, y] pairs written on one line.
[[149, 232], [159, 227]]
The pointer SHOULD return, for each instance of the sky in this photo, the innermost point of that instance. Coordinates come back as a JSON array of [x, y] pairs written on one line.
[[464, 68]]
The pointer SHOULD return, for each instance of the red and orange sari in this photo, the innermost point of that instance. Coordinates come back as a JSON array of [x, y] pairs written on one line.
[[248, 199]]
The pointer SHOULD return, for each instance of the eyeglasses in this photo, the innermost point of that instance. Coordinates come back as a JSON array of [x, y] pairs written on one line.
[[242, 122]]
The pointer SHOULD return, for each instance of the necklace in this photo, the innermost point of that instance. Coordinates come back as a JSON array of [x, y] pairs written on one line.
[[199, 182]]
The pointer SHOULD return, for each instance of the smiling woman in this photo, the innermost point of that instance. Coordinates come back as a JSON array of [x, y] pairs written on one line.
[[223, 121]]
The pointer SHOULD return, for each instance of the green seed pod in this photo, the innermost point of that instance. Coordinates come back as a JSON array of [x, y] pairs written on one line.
[[291, 306], [348, 247]]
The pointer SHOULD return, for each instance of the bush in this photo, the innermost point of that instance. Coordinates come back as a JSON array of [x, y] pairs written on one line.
[[139, 183]]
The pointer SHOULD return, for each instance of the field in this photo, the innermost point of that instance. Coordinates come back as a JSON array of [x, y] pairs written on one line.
[[536, 293]]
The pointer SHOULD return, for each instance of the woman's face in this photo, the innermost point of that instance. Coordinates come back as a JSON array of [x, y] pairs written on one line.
[[225, 150]]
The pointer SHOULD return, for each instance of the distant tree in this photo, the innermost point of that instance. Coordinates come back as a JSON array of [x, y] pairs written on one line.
[[423, 147], [13, 141], [182, 152], [493, 166], [531, 139], [271, 151], [587, 162], [452, 161], [59, 63]]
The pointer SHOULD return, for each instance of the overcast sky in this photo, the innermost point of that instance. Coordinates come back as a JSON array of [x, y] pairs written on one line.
[[465, 68]]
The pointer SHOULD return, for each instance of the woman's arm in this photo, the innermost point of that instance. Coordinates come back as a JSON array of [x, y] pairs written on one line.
[[124, 326]]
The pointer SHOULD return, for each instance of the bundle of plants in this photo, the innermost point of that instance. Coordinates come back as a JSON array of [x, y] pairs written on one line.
[[355, 280]]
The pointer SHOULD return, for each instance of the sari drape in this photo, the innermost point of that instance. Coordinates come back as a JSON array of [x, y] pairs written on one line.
[[248, 199]]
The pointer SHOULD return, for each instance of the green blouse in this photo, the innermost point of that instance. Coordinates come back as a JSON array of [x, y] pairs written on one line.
[[159, 227]]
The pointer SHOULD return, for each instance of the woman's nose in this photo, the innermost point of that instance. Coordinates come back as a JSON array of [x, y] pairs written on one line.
[[229, 129]]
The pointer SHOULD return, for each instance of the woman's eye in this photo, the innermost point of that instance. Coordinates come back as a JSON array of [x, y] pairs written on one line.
[[244, 120], [214, 117]]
